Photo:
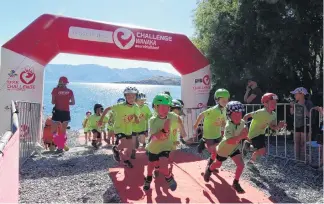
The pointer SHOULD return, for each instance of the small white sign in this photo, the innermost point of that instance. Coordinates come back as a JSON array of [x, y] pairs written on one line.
[[90, 34]]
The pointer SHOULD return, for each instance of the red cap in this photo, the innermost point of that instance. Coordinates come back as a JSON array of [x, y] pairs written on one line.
[[268, 97], [63, 80]]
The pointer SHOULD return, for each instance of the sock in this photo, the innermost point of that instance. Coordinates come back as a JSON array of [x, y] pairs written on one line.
[[235, 181]]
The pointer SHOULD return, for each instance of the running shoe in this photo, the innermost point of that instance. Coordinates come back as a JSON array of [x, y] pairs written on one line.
[[128, 164], [207, 174], [59, 151], [237, 187], [172, 183], [116, 154]]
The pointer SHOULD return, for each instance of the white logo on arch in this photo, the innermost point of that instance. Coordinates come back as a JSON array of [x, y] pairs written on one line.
[[124, 38]]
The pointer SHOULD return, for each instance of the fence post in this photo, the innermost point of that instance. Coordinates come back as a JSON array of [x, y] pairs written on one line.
[[310, 132]]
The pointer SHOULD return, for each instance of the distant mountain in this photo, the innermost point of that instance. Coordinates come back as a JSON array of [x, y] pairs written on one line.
[[99, 74], [156, 80]]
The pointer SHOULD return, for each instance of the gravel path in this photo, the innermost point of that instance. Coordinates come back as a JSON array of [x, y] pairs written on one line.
[[81, 175]]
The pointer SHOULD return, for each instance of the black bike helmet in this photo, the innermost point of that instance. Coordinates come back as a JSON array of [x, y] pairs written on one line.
[[96, 106]]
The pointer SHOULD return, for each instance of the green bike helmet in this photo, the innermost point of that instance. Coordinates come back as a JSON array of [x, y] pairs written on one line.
[[222, 93], [162, 99]]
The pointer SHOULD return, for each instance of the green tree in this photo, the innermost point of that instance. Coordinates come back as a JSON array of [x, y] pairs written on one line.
[[280, 44]]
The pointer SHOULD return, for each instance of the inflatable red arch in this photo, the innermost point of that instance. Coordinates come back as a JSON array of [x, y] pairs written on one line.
[[24, 57]]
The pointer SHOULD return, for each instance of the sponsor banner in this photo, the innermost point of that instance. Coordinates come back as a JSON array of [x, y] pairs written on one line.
[[123, 38]]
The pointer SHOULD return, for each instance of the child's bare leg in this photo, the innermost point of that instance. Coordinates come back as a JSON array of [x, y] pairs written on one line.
[[297, 138], [215, 165], [94, 138], [258, 153], [133, 147], [239, 170], [211, 147], [148, 178], [90, 134], [171, 159], [109, 137], [112, 138], [168, 174], [239, 166], [302, 147], [86, 137]]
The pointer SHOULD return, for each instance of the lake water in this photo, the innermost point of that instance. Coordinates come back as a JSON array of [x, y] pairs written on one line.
[[88, 94]]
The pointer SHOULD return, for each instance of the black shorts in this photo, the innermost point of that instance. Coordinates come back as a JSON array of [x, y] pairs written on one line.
[[60, 116], [301, 129], [139, 133], [98, 133], [120, 136], [221, 159], [259, 142], [156, 157], [210, 142]]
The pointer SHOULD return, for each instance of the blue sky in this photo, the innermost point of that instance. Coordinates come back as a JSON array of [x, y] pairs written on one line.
[[168, 15]]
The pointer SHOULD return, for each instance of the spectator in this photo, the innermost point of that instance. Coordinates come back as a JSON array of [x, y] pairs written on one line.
[[253, 93], [301, 110], [62, 98]]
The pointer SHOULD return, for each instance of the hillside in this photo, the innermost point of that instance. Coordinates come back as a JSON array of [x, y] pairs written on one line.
[[158, 80], [100, 74]]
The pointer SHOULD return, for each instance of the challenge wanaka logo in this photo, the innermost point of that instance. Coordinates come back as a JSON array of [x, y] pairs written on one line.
[[24, 82], [124, 38]]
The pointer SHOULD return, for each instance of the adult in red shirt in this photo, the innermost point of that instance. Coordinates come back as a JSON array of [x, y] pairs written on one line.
[[62, 98]]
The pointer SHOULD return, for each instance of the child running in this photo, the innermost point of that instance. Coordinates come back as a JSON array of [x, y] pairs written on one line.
[[177, 108], [140, 129], [86, 129], [177, 134], [214, 120], [261, 120], [161, 125], [110, 126], [95, 128], [235, 131], [124, 115]]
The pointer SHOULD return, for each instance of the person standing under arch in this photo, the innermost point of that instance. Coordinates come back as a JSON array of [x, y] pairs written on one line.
[[62, 98], [253, 93]]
